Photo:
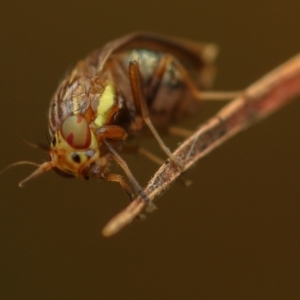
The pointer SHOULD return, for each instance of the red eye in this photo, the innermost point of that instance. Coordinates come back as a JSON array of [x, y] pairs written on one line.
[[76, 132]]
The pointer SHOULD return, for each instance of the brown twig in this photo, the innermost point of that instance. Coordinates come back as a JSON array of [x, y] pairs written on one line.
[[258, 101]]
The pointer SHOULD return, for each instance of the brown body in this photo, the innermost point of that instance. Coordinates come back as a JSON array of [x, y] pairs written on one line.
[[172, 100], [139, 79]]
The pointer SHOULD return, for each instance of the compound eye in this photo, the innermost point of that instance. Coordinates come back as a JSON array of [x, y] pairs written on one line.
[[76, 132]]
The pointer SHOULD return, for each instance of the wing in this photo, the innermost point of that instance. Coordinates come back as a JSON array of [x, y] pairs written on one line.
[[197, 55]]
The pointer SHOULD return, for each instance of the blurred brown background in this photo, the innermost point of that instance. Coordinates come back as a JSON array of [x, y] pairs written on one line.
[[234, 234]]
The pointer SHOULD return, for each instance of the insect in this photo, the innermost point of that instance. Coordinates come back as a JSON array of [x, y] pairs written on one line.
[[139, 81]]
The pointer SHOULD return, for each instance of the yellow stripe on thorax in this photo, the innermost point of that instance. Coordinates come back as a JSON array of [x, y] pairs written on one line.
[[105, 105]]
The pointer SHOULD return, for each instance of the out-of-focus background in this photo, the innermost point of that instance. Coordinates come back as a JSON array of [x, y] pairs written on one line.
[[234, 234]]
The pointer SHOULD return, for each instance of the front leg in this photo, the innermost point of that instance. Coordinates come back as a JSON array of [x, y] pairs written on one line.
[[118, 159], [112, 132], [118, 178]]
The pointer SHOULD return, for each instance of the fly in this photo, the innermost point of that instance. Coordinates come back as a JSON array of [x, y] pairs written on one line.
[[139, 80]]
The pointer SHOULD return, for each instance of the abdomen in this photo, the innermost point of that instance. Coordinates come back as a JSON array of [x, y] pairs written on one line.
[[172, 101]]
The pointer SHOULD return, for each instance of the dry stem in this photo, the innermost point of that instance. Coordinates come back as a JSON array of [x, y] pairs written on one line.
[[258, 101]]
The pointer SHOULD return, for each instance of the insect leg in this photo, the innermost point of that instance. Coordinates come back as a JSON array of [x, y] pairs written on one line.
[[157, 78], [150, 156], [118, 159], [203, 95], [141, 105], [178, 131], [112, 132], [118, 178], [151, 93]]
